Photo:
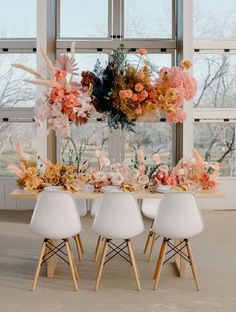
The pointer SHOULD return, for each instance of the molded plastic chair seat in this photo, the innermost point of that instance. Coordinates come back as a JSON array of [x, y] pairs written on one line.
[[82, 207], [95, 205], [150, 207]]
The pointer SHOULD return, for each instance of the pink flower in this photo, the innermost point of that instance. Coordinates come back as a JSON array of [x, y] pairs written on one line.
[[143, 179], [117, 178], [142, 51], [190, 86], [139, 87], [129, 93], [156, 158], [100, 176], [176, 116]]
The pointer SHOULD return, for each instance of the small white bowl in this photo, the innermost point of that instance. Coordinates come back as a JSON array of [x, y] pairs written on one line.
[[163, 188], [53, 188]]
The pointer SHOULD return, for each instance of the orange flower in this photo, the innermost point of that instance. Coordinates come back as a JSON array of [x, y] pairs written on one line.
[[123, 94], [142, 51], [31, 183], [139, 87], [185, 64], [140, 75], [143, 95], [56, 95]]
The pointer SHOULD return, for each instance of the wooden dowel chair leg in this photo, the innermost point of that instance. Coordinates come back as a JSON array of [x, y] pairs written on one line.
[[147, 242], [152, 246], [101, 264], [78, 248], [71, 264], [192, 263], [38, 267], [80, 243], [75, 268], [97, 248], [160, 262], [132, 258]]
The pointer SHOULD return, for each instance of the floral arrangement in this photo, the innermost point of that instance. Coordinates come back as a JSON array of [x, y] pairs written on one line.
[[29, 177], [196, 173], [66, 100], [125, 93], [32, 178]]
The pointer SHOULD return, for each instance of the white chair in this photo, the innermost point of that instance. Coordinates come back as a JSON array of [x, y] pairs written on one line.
[[95, 206], [149, 209], [118, 217], [56, 218], [178, 218]]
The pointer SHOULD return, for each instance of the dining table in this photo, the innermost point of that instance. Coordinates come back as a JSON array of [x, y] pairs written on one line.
[[140, 194]]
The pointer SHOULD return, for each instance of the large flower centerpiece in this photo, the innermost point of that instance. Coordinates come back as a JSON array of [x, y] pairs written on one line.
[[125, 93], [66, 100]]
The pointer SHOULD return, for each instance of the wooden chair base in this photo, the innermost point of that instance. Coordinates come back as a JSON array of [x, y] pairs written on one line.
[[151, 237], [53, 251], [188, 257], [117, 250]]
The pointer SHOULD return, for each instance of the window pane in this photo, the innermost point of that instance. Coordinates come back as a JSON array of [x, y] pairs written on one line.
[[216, 76], [148, 19], [156, 61], [14, 92], [214, 19], [216, 142], [17, 19], [87, 61], [10, 133], [153, 138], [85, 140], [84, 19]]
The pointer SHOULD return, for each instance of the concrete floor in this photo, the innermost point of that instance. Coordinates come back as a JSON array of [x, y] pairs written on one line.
[[214, 252]]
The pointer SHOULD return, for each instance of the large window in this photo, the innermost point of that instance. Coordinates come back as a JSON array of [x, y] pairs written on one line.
[[17, 98], [10, 133], [109, 24], [18, 19], [215, 70]]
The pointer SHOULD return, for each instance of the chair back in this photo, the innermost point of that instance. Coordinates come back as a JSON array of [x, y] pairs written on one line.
[[95, 206], [56, 215], [178, 216], [118, 217], [150, 207]]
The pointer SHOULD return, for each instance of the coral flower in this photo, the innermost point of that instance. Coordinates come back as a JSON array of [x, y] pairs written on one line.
[[134, 97], [139, 87], [60, 75], [142, 51], [123, 94]]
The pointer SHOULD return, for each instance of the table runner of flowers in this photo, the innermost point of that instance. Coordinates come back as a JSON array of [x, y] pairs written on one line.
[[189, 174]]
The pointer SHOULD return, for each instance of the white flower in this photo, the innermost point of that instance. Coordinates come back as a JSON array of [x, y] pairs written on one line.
[[156, 158], [104, 161], [117, 178], [143, 179], [100, 176]]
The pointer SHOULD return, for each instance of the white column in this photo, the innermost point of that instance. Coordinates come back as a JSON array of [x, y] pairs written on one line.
[[46, 38], [185, 51]]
